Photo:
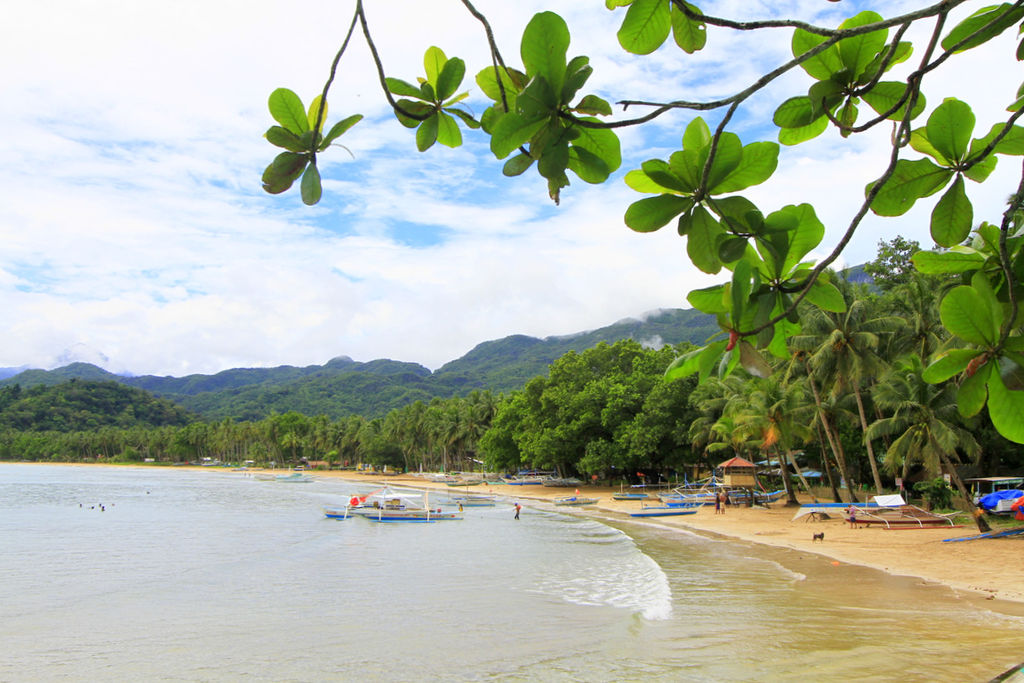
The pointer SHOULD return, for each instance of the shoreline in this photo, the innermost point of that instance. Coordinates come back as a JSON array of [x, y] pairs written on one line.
[[977, 571]]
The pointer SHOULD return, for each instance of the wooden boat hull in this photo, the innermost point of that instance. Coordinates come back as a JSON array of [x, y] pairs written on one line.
[[575, 500]]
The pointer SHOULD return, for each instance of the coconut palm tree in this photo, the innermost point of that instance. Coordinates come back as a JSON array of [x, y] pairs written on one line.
[[925, 424], [844, 350], [777, 415]]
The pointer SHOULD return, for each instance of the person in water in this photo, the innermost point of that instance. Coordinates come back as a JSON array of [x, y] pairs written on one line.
[[518, 508]]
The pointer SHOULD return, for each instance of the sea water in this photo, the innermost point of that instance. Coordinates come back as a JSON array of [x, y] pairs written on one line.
[[150, 574]]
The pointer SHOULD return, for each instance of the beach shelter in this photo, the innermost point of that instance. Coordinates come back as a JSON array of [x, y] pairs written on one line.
[[738, 472]]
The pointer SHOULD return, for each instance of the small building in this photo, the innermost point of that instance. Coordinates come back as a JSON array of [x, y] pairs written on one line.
[[738, 472]]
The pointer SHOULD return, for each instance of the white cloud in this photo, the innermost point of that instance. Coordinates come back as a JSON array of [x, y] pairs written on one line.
[[133, 222]]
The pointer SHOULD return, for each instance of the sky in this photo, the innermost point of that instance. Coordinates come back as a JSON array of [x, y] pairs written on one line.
[[134, 232]]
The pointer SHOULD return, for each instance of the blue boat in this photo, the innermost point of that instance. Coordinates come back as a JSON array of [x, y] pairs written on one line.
[[665, 511]]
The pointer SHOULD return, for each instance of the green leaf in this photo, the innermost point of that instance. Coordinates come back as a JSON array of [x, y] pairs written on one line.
[[697, 135], [587, 165], [796, 112], [577, 72], [900, 55], [1005, 408], [653, 213], [434, 60], [966, 313], [858, 52], [402, 88], [794, 136], [728, 156], [806, 236], [594, 105], [448, 133], [732, 249], [822, 65], [709, 300], [282, 137], [1004, 15], [645, 27], [282, 171], [948, 364], [426, 134], [517, 165], [826, 296], [950, 127], [286, 108], [709, 358], [339, 129], [450, 78], [543, 47], [740, 289], [418, 109], [512, 131], [310, 186], [466, 117], [690, 35], [757, 163], [487, 80], [971, 395], [601, 143], [661, 174], [684, 366], [887, 94], [1012, 143], [956, 260], [702, 240], [641, 182], [983, 169], [537, 100], [312, 112], [952, 216], [910, 181]]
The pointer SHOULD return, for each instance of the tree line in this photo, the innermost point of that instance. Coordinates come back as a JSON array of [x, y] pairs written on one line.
[[852, 400]]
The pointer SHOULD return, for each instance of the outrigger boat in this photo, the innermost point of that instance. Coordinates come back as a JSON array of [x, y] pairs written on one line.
[[665, 510], [388, 506], [575, 500]]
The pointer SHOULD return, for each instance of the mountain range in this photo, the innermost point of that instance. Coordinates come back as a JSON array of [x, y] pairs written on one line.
[[344, 387]]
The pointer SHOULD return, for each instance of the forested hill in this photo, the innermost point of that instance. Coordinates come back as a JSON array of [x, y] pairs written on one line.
[[345, 387], [79, 405]]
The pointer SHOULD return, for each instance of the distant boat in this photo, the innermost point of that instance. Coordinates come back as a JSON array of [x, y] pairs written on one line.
[[293, 478], [385, 505], [473, 501], [665, 511], [575, 500], [561, 481]]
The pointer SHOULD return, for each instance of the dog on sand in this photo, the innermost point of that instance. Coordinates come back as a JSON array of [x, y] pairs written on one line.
[[818, 537]]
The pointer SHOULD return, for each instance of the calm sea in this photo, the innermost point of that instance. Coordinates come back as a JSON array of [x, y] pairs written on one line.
[[217, 576]]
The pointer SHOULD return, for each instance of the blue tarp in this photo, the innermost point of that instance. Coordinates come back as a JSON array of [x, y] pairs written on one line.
[[992, 499]]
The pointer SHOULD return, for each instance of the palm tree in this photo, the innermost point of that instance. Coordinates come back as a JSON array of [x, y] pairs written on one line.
[[925, 423], [844, 346], [776, 415]]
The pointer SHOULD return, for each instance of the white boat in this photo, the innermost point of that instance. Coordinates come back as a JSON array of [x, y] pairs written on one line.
[[665, 510], [385, 505], [293, 478]]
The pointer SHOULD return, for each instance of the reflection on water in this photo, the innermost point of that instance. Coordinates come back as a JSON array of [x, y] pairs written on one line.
[[216, 576]]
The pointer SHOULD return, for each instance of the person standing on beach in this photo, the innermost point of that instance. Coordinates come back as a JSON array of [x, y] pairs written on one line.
[[518, 507], [718, 503]]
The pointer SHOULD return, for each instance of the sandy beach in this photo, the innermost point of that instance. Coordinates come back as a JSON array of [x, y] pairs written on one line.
[[980, 570]]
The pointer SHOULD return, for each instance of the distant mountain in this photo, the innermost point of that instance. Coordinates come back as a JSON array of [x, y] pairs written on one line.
[[343, 386]]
